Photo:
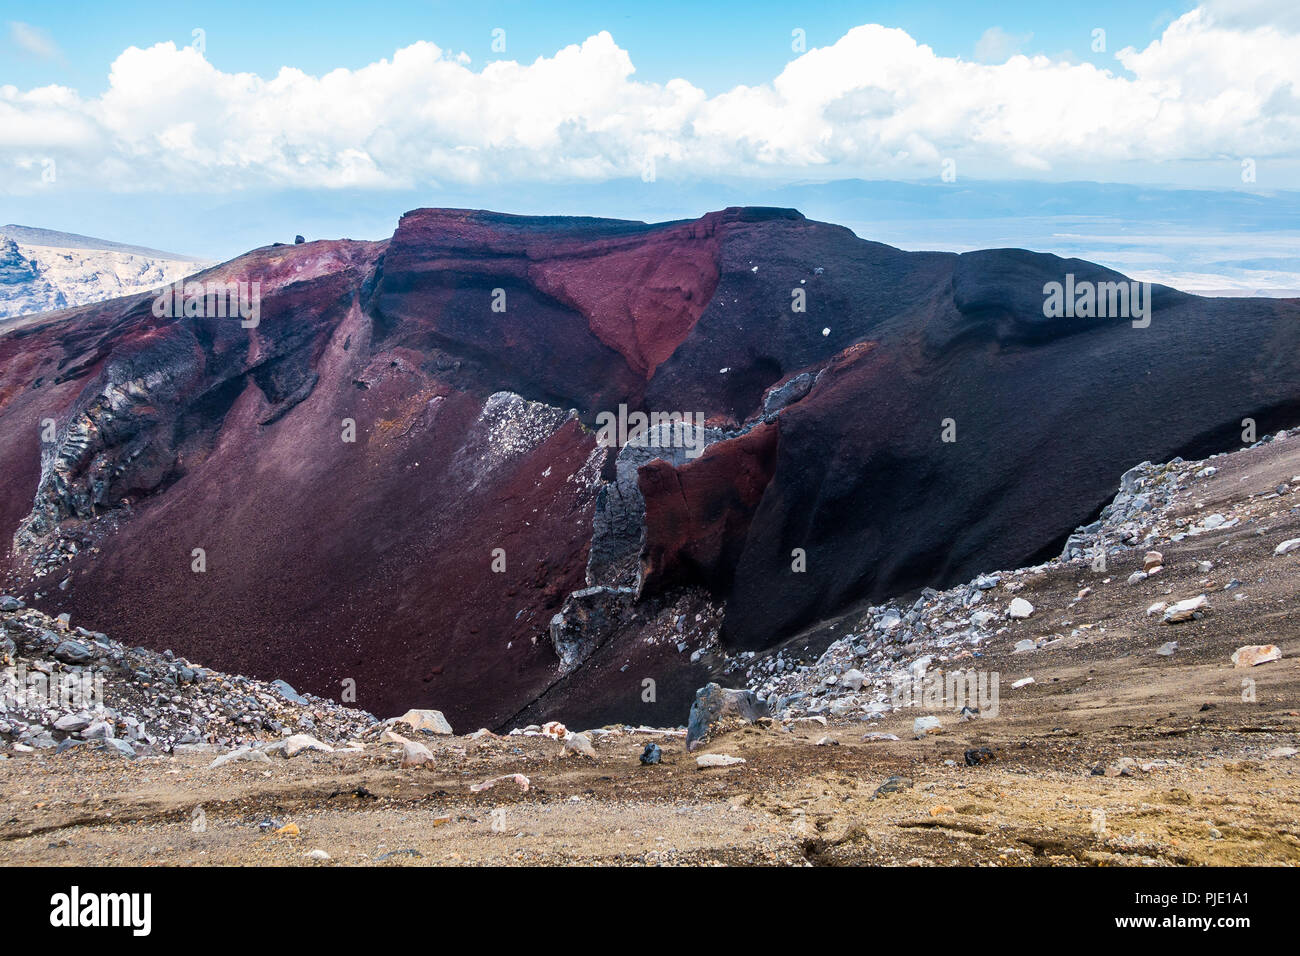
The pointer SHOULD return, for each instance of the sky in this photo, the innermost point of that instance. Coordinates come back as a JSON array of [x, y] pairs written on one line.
[[165, 122]]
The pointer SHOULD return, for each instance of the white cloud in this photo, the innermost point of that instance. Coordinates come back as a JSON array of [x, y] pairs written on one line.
[[996, 45], [32, 40], [875, 103]]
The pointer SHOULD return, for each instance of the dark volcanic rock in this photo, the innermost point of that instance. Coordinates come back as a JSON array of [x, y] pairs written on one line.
[[391, 486], [715, 704]]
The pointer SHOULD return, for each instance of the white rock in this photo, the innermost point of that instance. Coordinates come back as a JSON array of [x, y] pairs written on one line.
[[1183, 610], [1019, 609], [414, 754], [1253, 654], [69, 723], [1157, 608], [852, 679], [926, 725], [299, 742], [717, 760], [320, 856], [1167, 650], [426, 721], [1287, 546], [1023, 682], [240, 754], [579, 744]]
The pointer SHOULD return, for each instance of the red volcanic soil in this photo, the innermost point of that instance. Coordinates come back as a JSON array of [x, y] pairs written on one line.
[[453, 354], [697, 516]]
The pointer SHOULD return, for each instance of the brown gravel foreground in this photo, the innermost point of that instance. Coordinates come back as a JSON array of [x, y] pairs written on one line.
[[1225, 800], [1211, 778]]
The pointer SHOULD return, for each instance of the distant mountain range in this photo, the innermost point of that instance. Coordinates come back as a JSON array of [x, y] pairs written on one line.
[[41, 269]]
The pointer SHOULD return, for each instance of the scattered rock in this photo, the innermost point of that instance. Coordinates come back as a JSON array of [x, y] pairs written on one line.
[[518, 778], [425, 721], [240, 755], [892, 785], [1286, 547], [297, 743], [579, 744], [714, 704], [1186, 610], [717, 760], [415, 754], [1019, 609], [926, 725], [1254, 654], [651, 755]]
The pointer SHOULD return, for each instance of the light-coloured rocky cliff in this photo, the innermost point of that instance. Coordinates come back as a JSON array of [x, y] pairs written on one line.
[[42, 270]]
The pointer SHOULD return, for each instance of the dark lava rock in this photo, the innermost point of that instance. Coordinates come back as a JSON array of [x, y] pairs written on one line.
[[979, 755], [892, 785], [714, 704], [651, 754], [73, 652]]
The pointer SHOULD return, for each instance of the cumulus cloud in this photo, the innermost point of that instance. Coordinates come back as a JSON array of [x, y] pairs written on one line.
[[876, 103]]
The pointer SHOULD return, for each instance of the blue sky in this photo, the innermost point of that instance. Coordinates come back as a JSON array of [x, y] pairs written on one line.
[[715, 45], [211, 128]]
